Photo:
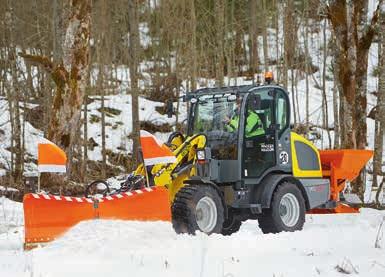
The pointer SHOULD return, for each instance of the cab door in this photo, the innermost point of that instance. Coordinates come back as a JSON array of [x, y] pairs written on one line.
[[258, 135]]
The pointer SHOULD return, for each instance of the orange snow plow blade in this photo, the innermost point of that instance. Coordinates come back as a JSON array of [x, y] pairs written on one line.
[[46, 217], [341, 166]]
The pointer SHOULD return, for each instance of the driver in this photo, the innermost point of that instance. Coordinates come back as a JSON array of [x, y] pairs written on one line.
[[254, 126]]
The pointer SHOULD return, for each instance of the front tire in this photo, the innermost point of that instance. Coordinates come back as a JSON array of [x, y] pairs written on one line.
[[197, 208], [286, 212]]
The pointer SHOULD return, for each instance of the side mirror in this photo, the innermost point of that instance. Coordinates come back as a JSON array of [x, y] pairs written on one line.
[[169, 108]]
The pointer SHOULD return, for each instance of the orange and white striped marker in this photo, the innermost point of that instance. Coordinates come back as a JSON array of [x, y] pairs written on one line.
[[154, 151], [50, 158]]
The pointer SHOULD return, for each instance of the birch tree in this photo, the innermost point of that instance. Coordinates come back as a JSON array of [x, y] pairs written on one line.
[[69, 75]]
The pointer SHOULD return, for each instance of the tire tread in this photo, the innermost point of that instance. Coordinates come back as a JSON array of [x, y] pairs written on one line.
[[183, 219]]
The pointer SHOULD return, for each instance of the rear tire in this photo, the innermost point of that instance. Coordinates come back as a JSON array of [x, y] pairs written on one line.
[[197, 208], [286, 212]]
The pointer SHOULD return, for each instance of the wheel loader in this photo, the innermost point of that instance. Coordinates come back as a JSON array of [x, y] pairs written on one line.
[[222, 176]]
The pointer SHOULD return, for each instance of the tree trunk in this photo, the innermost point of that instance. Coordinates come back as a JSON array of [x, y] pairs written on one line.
[[57, 18], [253, 33], [363, 44], [48, 99], [193, 46], [353, 37], [85, 131], [219, 11], [336, 117], [324, 98], [31, 89], [307, 61], [336, 92], [71, 77], [380, 112], [229, 43], [277, 44], [293, 97], [102, 63], [289, 40], [14, 98], [264, 35], [133, 10], [19, 157], [12, 123], [339, 15], [103, 118]]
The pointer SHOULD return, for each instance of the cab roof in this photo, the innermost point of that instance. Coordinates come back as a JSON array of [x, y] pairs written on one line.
[[229, 90]]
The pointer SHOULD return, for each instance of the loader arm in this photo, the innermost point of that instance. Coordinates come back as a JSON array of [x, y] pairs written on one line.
[[173, 175]]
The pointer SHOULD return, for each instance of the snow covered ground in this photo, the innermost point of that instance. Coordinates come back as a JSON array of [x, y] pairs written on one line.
[[123, 248]]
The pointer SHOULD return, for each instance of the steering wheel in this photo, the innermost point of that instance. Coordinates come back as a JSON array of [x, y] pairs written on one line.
[[98, 187]]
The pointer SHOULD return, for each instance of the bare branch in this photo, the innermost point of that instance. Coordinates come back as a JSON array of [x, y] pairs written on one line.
[[367, 38], [58, 73], [37, 60]]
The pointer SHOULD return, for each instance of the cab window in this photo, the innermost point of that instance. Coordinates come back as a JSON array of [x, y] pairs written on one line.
[[258, 146], [282, 111], [218, 117]]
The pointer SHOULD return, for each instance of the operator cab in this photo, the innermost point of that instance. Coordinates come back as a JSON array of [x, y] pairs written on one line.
[[254, 119]]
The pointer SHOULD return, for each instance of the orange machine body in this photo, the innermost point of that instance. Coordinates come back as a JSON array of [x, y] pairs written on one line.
[[47, 216]]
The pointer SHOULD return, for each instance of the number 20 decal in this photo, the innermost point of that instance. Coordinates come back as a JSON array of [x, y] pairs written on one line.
[[283, 157]]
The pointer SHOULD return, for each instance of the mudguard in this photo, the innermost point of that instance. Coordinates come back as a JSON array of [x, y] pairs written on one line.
[[265, 190]]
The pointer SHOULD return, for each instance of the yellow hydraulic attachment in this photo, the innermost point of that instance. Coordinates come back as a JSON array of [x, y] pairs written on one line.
[[172, 175]]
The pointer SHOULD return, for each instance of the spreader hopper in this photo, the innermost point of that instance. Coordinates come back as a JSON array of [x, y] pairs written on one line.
[[341, 166]]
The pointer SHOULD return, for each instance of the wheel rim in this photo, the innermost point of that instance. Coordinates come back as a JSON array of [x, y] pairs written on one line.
[[289, 209], [206, 214]]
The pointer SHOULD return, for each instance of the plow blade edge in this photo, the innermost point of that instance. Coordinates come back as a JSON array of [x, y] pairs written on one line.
[[47, 217]]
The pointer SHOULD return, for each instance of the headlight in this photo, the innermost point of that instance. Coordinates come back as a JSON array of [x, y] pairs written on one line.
[[201, 155]]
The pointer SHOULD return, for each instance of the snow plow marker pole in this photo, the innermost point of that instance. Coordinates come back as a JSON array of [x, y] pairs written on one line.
[[47, 217]]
